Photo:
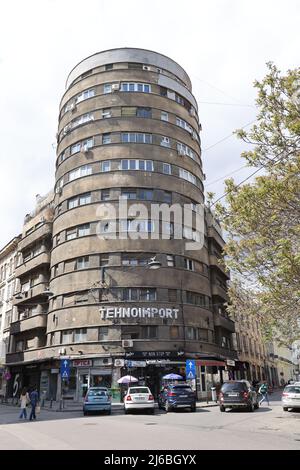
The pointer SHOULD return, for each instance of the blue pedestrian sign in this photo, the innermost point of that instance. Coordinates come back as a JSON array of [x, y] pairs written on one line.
[[190, 369], [65, 368]]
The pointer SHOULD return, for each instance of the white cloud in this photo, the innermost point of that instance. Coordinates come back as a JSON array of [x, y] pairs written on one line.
[[222, 44]]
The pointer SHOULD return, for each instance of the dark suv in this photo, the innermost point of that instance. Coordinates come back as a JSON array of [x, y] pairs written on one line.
[[238, 394], [177, 396]]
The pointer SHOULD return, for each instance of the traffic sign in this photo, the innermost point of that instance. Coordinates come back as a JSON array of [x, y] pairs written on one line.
[[190, 369], [65, 368]]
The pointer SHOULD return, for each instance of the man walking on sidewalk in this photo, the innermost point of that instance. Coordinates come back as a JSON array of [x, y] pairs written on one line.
[[34, 398], [263, 391]]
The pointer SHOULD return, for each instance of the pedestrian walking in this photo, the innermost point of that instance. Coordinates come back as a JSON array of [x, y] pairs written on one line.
[[34, 398], [24, 398], [263, 391]]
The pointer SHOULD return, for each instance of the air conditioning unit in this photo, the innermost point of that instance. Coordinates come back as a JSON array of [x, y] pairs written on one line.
[[127, 343], [192, 112], [146, 67], [115, 87], [106, 114], [58, 190], [72, 107], [119, 362], [62, 351], [42, 219], [181, 152]]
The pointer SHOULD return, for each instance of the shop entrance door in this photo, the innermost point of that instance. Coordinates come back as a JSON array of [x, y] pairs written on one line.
[[83, 384]]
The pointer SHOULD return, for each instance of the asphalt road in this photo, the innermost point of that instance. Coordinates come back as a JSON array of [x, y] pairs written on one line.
[[266, 428]]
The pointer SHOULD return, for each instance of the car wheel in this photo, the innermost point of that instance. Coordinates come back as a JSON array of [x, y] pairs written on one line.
[[85, 413], [285, 408], [193, 408], [108, 412], [222, 408], [151, 411]]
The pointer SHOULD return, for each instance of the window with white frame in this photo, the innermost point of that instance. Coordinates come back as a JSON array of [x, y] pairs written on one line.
[[167, 169], [79, 200], [170, 260], [87, 144], [136, 225], [105, 166], [83, 119], [85, 95], [107, 88], [84, 230], [136, 87], [75, 148], [164, 116], [165, 141], [189, 264], [67, 337], [184, 149], [80, 172], [145, 165], [136, 137], [186, 175], [182, 123], [106, 113], [83, 262]]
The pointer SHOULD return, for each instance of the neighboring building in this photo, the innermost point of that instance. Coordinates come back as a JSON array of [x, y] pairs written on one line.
[[8, 260], [129, 129], [28, 326], [283, 357]]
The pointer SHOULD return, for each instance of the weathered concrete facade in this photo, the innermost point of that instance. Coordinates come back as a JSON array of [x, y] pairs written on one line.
[[128, 127]]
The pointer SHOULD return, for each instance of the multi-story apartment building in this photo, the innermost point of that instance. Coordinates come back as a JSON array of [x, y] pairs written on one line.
[[8, 260], [128, 131], [28, 326]]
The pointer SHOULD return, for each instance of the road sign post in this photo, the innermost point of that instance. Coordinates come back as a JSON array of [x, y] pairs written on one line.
[[190, 372]]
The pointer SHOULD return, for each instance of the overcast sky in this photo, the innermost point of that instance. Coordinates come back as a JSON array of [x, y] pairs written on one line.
[[222, 44]]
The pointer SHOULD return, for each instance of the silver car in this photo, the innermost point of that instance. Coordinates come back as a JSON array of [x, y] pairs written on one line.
[[291, 397]]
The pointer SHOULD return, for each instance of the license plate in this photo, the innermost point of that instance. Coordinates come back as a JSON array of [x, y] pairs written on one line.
[[232, 394], [140, 398], [183, 396]]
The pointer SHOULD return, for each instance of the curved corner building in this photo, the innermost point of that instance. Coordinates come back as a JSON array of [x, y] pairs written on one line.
[[129, 129]]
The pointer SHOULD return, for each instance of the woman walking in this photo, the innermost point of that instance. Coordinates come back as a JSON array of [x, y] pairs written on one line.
[[24, 402]]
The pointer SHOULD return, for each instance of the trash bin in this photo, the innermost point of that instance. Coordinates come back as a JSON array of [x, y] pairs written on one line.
[[213, 394]]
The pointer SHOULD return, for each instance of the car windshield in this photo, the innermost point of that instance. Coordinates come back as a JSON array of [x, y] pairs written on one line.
[[97, 393], [292, 389], [233, 387], [139, 390]]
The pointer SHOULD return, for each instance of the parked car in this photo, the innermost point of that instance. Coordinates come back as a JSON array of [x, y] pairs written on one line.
[[139, 398], [97, 399], [238, 394], [291, 397], [177, 396]]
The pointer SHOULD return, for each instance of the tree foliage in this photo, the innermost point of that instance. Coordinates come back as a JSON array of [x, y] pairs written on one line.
[[262, 218]]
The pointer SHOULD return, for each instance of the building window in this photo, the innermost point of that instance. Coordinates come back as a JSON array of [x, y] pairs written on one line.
[[186, 175], [144, 112], [83, 119], [104, 260], [79, 200], [132, 137], [145, 194], [165, 142], [189, 264], [106, 138], [82, 262], [136, 87], [174, 332], [105, 194], [172, 294], [109, 66], [107, 88], [149, 332], [80, 172], [130, 111], [164, 116], [105, 166], [134, 259], [167, 197], [85, 95], [75, 148], [106, 113], [83, 230], [80, 335], [202, 334], [191, 333], [129, 193], [167, 169], [103, 333], [147, 294], [67, 337], [225, 342], [163, 91], [197, 299], [170, 260], [144, 165]]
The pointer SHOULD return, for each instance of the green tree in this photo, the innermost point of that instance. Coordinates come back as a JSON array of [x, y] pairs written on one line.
[[262, 217]]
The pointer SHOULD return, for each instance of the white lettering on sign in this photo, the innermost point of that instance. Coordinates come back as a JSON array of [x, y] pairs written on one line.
[[137, 312]]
